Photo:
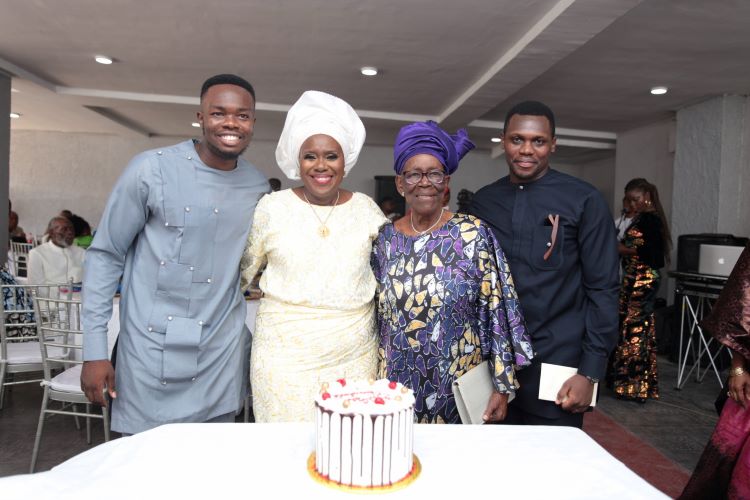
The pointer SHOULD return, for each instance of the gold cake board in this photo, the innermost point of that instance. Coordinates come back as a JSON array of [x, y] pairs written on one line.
[[319, 478]]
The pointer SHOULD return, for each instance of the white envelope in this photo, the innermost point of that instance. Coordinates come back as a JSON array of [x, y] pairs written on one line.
[[553, 377]]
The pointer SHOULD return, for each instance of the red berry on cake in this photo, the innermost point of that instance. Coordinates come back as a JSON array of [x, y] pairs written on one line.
[[325, 395], [379, 401], [392, 384], [342, 381]]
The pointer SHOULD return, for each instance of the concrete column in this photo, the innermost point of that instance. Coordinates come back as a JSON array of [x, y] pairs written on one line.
[[4, 161], [712, 168]]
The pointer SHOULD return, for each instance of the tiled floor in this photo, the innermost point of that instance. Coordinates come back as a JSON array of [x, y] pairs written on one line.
[[678, 425]]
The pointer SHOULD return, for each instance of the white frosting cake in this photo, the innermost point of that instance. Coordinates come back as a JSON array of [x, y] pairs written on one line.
[[364, 432]]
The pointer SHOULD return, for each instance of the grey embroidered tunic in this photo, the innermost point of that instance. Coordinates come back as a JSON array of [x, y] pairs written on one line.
[[174, 229]]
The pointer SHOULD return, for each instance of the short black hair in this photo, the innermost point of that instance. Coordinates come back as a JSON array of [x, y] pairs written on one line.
[[533, 108], [227, 79]]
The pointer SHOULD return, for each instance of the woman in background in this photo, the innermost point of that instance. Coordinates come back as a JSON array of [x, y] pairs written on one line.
[[644, 250]]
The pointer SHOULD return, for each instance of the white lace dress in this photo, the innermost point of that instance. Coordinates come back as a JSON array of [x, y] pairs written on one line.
[[316, 321]]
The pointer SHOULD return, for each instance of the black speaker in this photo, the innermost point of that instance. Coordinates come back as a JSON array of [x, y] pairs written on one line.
[[689, 248]]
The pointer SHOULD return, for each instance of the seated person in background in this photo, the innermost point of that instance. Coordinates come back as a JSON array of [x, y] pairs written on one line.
[[464, 200], [56, 261], [82, 231], [275, 184], [389, 208], [15, 232]]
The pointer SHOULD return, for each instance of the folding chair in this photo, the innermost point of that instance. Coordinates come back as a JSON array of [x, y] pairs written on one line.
[[19, 343], [19, 264], [59, 327]]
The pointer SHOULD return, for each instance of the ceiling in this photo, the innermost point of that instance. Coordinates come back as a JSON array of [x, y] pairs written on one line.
[[460, 63]]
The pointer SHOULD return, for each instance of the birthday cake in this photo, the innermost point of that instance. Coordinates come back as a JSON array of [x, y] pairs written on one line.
[[364, 432]]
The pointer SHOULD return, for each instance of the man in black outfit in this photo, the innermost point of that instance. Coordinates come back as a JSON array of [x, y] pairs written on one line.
[[558, 236]]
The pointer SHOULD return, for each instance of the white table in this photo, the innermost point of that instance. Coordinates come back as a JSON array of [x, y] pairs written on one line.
[[185, 461]]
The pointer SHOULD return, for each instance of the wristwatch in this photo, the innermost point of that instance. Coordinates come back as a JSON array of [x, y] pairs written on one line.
[[592, 380], [736, 371]]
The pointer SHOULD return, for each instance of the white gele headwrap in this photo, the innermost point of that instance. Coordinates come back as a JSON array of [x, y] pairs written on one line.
[[319, 113]]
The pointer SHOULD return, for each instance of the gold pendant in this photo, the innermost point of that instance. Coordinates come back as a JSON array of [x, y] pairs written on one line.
[[324, 231]]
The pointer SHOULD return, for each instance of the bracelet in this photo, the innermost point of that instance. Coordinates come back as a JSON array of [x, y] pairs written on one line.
[[737, 371]]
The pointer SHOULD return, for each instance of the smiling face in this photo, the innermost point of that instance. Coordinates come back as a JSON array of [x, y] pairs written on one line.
[[424, 197], [227, 118], [321, 167], [528, 143]]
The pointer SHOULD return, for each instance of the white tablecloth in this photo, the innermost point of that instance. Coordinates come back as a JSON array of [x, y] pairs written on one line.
[[247, 461]]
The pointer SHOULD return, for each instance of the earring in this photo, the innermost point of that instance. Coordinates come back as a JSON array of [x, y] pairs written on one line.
[[402, 193]]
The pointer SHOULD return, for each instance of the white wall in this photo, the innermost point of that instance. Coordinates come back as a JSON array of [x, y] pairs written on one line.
[[647, 152], [712, 166], [601, 174], [51, 171]]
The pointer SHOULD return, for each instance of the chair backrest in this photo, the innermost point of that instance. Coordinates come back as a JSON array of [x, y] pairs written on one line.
[[19, 262], [59, 328], [18, 322]]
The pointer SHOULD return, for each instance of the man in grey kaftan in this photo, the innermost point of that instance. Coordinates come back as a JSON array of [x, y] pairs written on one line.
[[174, 228]]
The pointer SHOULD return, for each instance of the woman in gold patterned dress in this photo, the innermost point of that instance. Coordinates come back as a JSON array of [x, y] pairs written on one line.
[[316, 319], [644, 251]]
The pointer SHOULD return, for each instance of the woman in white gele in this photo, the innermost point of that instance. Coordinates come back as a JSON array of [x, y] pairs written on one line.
[[316, 319]]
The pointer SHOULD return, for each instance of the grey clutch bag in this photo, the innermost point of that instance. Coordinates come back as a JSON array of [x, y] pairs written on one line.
[[472, 391]]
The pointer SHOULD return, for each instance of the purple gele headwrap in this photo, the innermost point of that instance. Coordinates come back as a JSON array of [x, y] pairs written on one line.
[[428, 138]]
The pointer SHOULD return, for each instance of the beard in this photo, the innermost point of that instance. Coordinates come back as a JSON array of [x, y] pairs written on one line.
[[62, 242]]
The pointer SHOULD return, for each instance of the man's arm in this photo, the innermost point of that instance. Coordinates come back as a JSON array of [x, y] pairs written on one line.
[[599, 261], [601, 283], [124, 218]]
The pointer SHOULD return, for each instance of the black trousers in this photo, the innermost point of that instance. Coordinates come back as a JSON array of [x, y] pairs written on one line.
[[517, 416]]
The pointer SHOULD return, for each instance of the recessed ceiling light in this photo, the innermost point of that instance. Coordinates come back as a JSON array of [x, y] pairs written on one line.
[[369, 70], [496, 139], [659, 90], [103, 59], [15, 115], [196, 124]]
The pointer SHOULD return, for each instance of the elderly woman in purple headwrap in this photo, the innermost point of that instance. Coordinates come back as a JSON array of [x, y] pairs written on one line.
[[446, 300]]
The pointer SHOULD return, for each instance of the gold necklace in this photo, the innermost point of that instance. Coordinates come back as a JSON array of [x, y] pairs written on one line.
[[420, 233], [323, 230]]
